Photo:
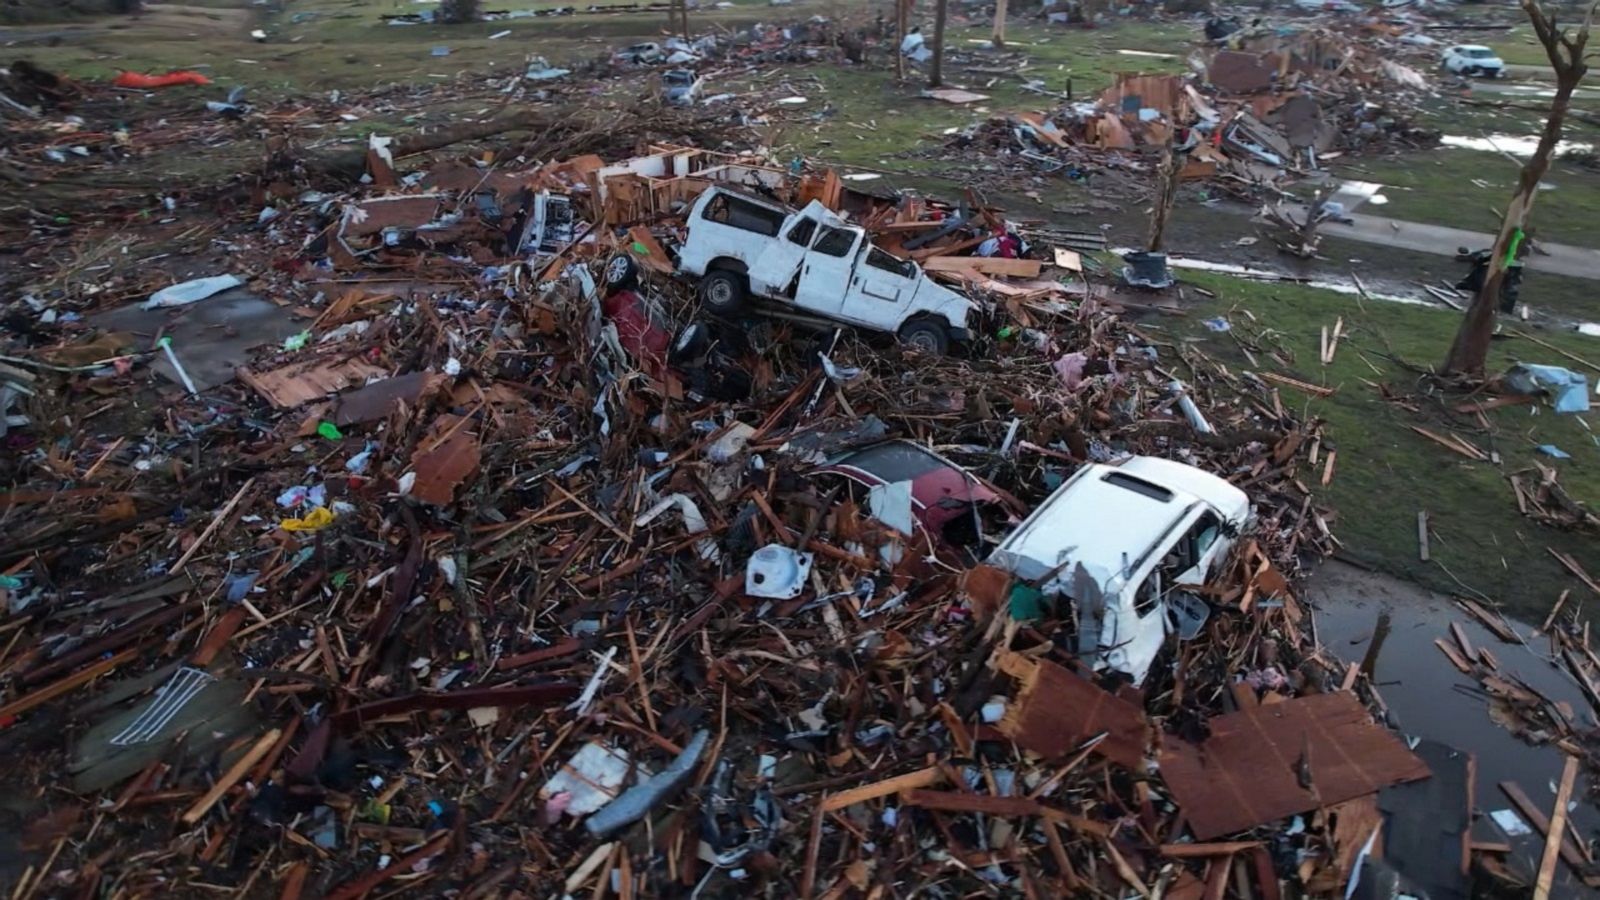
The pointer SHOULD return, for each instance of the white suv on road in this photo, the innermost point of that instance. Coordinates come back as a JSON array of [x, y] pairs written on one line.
[[1473, 59]]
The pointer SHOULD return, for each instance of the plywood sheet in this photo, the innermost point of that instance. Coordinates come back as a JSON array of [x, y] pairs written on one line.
[[302, 382], [1249, 771]]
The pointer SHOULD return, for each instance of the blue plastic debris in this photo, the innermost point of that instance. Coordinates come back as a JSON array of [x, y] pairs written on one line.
[[1569, 391], [1553, 450]]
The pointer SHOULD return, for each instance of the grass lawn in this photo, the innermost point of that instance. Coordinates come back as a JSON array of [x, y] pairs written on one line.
[[1468, 189], [1385, 473], [1518, 47]]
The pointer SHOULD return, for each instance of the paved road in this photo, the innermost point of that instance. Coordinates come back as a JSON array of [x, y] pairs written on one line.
[[1557, 259]]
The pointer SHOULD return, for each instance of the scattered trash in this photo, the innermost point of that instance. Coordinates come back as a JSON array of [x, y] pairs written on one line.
[[177, 78], [777, 572], [1569, 390], [192, 291]]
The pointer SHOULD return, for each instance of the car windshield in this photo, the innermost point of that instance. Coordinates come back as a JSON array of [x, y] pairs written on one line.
[[894, 461]]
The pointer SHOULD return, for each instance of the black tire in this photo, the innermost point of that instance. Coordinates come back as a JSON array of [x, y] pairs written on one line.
[[1473, 71], [927, 336], [723, 292], [622, 273]]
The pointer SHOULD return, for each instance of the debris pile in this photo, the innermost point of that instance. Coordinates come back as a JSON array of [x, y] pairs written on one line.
[[1270, 106], [450, 545]]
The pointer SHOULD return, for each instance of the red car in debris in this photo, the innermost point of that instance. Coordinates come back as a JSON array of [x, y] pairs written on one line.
[[697, 357], [956, 508]]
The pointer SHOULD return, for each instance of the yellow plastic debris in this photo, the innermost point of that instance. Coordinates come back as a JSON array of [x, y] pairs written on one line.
[[316, 520]]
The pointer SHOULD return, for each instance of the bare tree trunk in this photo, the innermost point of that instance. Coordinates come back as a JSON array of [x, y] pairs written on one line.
[[936, 73], [1000, 23], [678, 18], [901, 17], [1470, 350], [1167, 193]]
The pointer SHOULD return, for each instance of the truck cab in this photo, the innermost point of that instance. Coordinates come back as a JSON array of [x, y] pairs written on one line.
[[744, 247], [1121, 543]]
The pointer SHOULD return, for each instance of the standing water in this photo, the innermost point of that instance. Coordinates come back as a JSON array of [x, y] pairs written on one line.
[[1392, 625]]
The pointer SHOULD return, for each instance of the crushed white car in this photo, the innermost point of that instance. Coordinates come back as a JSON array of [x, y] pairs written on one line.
[[1121, 542], [1473, 60], [813, 263]]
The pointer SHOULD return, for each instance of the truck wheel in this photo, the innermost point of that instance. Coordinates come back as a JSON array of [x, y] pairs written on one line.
[[722, 292], [622, 273], [926, 336]]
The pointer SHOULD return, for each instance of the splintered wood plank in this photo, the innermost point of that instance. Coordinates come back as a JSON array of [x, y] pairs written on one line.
[[1056, 711]]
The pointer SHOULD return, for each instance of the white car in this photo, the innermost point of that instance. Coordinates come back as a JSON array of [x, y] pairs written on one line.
[[1473, 60], [741, 246], [1119, 542]]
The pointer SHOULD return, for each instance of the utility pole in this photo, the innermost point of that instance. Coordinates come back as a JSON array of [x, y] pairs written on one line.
[[1000, 24], [936, 73]]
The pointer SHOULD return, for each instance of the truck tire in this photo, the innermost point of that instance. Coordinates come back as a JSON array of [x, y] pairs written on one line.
[[722, 292], [622, 273], [927, 336]]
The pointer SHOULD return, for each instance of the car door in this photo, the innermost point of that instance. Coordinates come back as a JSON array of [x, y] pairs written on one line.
[[1134, 625], [775, 268], [887, 286], [825, 274]]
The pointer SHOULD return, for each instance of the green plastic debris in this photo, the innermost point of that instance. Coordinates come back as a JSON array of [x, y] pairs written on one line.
[[640, 249], [330, 431], [340, 579], [297, 341], [1516, 242], [373, 811], [1006, 333], [1027, 603], [10, 582]]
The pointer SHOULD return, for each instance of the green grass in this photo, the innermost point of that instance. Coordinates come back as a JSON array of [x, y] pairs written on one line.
[[1385, 473], [1466, 189], [1518, 47]]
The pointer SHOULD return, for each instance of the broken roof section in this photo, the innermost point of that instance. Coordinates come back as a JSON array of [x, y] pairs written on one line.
[[1270, 761]]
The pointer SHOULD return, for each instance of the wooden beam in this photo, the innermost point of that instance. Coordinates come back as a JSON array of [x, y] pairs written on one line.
[[1536, 817], [1192, 851], [986, 265], [1558, 825], [910, 781], [956, 801], [232, 776], [66, 685]]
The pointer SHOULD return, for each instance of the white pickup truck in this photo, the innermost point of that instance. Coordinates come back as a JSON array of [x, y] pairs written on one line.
[[741, 246], [1118, 542]]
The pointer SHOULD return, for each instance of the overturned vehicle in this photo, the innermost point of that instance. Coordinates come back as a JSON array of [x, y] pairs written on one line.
[[1128, 545]]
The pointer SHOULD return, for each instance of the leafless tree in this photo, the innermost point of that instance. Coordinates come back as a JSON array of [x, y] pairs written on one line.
[[1470, 350], [1000, 23], [936, 72]]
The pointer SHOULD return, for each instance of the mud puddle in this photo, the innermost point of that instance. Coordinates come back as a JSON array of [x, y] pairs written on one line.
[[1428, 698]]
